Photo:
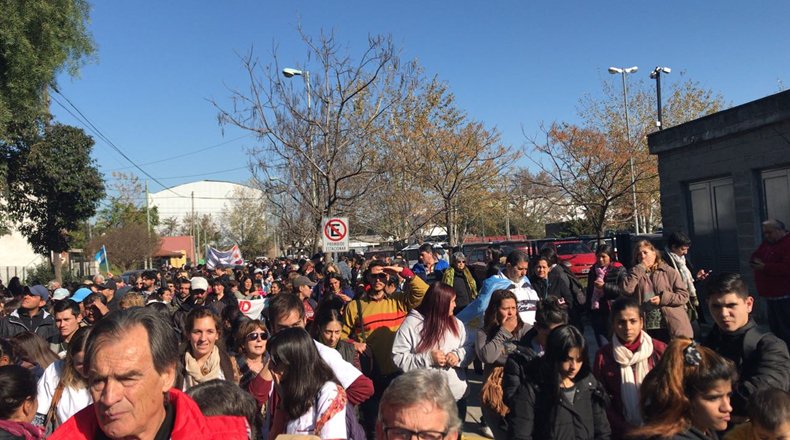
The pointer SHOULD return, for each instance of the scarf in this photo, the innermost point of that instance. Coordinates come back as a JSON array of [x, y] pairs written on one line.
[[210, 370], [600, 275], [21, 429], [633, 368], [680, 265]]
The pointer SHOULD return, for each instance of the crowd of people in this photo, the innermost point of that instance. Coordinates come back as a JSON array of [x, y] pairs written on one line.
[[373, 348]]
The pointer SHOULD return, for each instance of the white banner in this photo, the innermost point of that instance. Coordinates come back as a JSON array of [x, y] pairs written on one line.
[[252, 308]]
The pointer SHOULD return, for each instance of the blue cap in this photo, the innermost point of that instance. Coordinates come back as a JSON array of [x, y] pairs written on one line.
[[81, 294], [40, 291]]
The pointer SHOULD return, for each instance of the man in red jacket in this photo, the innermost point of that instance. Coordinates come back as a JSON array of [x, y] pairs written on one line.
[[771, 265], [131, 359]]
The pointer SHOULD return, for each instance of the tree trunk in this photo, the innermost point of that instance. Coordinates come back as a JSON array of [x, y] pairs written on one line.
[[57, 264]]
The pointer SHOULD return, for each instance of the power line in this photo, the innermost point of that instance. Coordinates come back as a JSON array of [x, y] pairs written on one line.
[[186, 154], [101, 135]]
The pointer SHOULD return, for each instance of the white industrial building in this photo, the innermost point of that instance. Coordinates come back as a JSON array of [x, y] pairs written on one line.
[[203, 197]]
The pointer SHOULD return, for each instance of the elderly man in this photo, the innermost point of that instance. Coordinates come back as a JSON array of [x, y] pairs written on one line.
[[130, 360], [418, 404], [771, 265]]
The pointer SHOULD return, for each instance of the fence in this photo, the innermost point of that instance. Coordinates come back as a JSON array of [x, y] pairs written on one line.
[[8, 272], [80, 269]]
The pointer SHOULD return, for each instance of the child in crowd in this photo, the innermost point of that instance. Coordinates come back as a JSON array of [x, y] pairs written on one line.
[[769, 414]]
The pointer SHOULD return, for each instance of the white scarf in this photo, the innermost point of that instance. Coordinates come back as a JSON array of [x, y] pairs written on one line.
[[633, 368], [196, 374]]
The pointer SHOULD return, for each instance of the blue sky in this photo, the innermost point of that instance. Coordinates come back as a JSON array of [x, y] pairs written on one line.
[[511, 64]]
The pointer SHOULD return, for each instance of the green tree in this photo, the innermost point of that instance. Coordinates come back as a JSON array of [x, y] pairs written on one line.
[[125, 206], [54, 188], [38, 39]]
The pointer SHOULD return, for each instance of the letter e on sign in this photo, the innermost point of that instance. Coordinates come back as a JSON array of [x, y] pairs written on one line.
[[335, 234]]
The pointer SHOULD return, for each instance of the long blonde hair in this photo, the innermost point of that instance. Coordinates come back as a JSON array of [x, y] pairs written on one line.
[[637, 258], [71, 377]]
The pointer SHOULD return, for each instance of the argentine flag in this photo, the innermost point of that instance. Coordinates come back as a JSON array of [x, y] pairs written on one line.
[[101, 256]]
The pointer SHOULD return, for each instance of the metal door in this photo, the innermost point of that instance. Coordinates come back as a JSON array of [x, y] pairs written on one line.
[[776, 195], [713, 228]]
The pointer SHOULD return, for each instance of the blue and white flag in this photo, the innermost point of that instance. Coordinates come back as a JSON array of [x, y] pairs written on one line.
[[101, 256], [231, 257]]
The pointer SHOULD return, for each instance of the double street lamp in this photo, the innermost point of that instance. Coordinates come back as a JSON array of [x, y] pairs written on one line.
[[656, 75], [623, 71]]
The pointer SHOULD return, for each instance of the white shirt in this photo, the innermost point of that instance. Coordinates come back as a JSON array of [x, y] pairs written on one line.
[[71, 401], [345, 373], [335, 427]]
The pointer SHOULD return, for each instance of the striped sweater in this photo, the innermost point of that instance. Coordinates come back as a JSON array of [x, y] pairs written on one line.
[[380, 320]]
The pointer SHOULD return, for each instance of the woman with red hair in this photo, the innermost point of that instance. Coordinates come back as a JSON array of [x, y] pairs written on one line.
[[687, 395], [431, 337]]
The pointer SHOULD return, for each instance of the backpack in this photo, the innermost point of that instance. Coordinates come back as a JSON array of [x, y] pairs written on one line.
[[577, 290]]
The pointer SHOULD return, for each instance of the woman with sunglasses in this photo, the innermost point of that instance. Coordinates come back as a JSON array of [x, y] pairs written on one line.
[[251, 345]]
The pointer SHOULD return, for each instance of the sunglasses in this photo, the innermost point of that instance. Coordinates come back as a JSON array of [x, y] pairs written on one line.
[[380, 276], [255, 335]]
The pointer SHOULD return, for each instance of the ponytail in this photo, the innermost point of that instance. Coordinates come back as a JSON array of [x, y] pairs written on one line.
[[685, 371]]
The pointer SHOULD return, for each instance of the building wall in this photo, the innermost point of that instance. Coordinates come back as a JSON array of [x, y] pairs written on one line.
[[738, 143], [210, 197]]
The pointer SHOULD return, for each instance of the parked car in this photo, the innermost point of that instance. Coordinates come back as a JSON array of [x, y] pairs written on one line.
[[575, 254]]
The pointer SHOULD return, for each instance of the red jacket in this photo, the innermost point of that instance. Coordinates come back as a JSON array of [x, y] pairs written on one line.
[[773, 281], [607, 371], [190, 423]]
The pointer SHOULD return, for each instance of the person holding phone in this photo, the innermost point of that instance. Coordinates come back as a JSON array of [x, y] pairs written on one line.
[[661, 291]]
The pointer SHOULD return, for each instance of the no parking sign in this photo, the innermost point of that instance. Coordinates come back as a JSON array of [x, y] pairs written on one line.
[[335, 234]]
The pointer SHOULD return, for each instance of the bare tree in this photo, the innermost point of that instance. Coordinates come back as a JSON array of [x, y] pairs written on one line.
[[244, 222], [591, 173], [320, 150], [448, 155], [127, 246]]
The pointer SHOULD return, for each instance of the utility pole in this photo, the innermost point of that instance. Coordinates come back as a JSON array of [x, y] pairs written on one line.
[[194, 243], [149, 263]]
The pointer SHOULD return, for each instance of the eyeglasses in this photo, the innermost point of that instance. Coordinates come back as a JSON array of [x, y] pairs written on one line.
[[255, 335], [379, 277], [393, 433]]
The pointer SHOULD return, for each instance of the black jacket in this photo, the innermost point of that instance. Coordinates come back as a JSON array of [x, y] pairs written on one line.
[[557, 285], [689, 434], [611, 286], [761, 358], [41, 324], [516, 365], [585, 419]]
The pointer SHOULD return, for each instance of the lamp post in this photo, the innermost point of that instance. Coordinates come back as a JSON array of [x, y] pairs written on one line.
[[623, 71], [290, 73], [656, 75]]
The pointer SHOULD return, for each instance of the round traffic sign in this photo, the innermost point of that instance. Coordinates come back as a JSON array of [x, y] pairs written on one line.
[[335, 229]]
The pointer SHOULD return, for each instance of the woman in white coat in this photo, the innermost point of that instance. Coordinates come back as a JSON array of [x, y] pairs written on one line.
[[431, 337]]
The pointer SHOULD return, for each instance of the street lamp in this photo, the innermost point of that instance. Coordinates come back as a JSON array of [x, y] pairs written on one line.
[[656, 75], [290, 73], [623, 71]]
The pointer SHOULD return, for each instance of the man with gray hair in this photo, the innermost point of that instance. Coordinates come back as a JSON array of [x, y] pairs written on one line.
[[418, 404], [131, 359], [771, 265]]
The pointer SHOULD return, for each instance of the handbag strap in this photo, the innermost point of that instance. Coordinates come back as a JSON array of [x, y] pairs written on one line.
[[337, 404], [52, 413], [360, 322]]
